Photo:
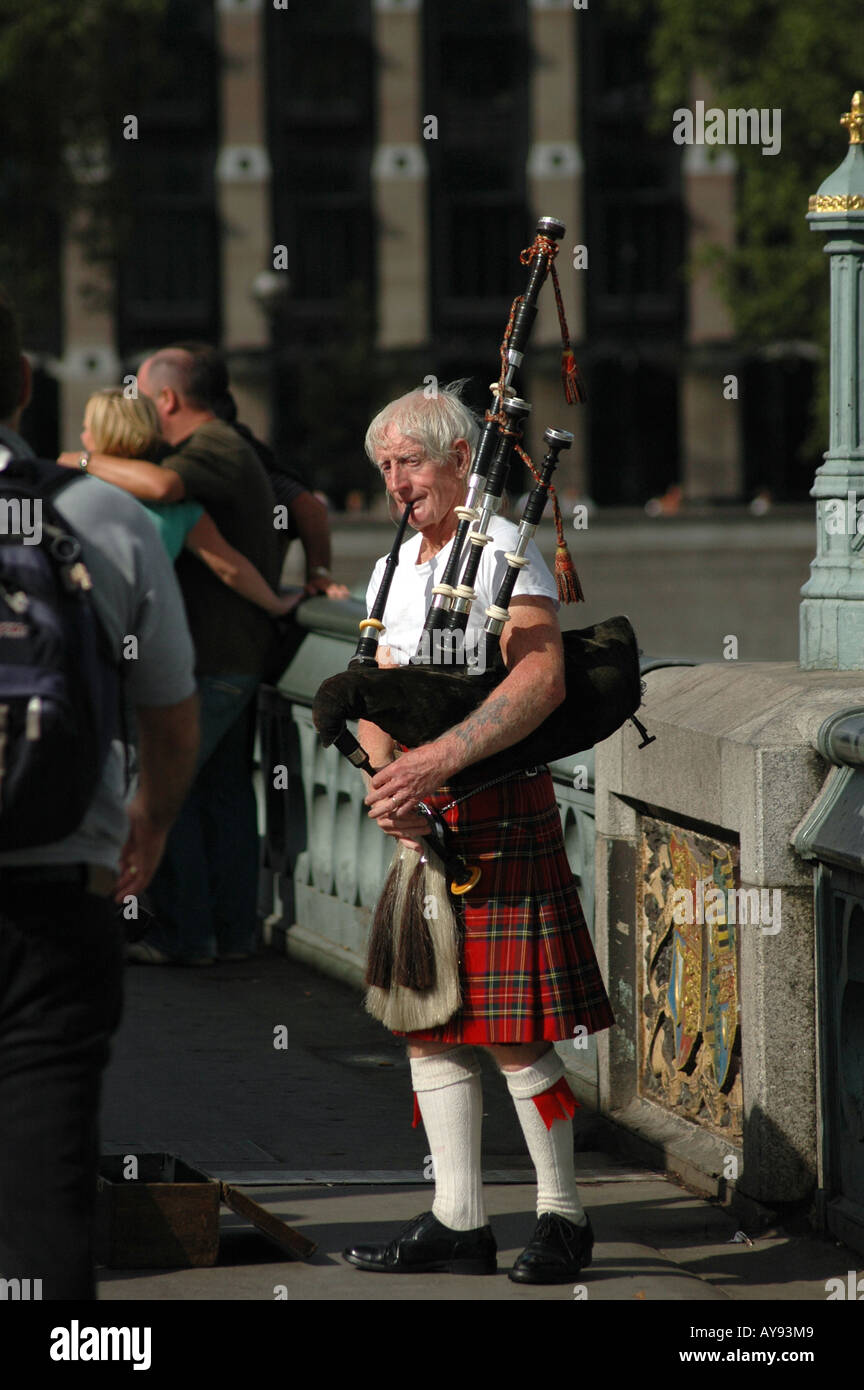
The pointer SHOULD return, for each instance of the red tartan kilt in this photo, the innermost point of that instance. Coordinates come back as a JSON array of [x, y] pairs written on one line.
[[528, 968]]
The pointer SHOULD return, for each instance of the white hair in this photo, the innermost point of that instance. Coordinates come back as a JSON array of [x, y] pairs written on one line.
[[434, 422]]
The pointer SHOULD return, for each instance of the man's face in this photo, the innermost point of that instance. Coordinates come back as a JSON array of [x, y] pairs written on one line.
[[431, 488]]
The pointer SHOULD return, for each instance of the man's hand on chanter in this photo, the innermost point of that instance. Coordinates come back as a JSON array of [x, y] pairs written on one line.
[[396, 789]]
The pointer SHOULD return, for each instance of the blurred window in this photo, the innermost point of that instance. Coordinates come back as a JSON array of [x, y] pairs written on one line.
[[477, 60], [169, 283], [634, 222], [635, 287], [320, 114]]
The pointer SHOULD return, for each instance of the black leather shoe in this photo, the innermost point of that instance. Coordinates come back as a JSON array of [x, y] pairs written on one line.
[[425, 1246], [556, 1253]]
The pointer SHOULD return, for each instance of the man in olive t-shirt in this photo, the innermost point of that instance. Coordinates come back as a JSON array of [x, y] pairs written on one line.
[[222, 472], [205, 892]]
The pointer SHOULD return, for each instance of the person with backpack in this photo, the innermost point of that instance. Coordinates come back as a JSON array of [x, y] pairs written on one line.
[[91, 625]]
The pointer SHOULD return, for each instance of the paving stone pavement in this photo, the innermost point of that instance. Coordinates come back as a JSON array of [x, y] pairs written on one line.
[[318, 1131]]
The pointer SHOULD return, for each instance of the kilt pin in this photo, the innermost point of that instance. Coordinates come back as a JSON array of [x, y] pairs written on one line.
[[528, 970]]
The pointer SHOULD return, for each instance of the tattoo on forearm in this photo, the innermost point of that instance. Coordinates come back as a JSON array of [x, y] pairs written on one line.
[[488, 716]]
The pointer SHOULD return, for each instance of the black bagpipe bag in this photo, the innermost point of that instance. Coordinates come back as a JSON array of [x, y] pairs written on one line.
[[417, 703]]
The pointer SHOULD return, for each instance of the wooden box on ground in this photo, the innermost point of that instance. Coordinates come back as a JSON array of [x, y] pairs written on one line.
[[154, 1211], [166, 1217]]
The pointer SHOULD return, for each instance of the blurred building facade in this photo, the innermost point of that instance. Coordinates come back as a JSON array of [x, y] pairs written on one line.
[[338, 193]]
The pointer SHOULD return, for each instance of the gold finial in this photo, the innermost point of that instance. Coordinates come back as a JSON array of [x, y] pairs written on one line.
[[854, 119]]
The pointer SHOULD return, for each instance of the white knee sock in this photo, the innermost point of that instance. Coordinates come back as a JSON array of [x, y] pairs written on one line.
[[551, 1149], [450, 1097]]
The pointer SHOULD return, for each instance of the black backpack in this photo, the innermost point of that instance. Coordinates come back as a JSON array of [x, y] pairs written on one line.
[[59, 684]]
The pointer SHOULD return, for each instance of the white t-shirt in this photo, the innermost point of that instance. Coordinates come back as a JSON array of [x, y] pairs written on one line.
[[411, 590]]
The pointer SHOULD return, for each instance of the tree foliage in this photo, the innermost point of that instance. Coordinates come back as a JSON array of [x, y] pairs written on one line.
[[806, 60]]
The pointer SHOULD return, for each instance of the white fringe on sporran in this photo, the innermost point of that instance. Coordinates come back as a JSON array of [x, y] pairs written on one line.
[[405, 894]]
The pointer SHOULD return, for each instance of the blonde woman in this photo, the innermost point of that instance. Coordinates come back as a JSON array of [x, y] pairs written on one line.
[[129, 428]]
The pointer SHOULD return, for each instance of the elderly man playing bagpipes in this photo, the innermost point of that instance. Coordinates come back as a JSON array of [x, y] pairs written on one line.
[[478, 939], [527, 973]]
